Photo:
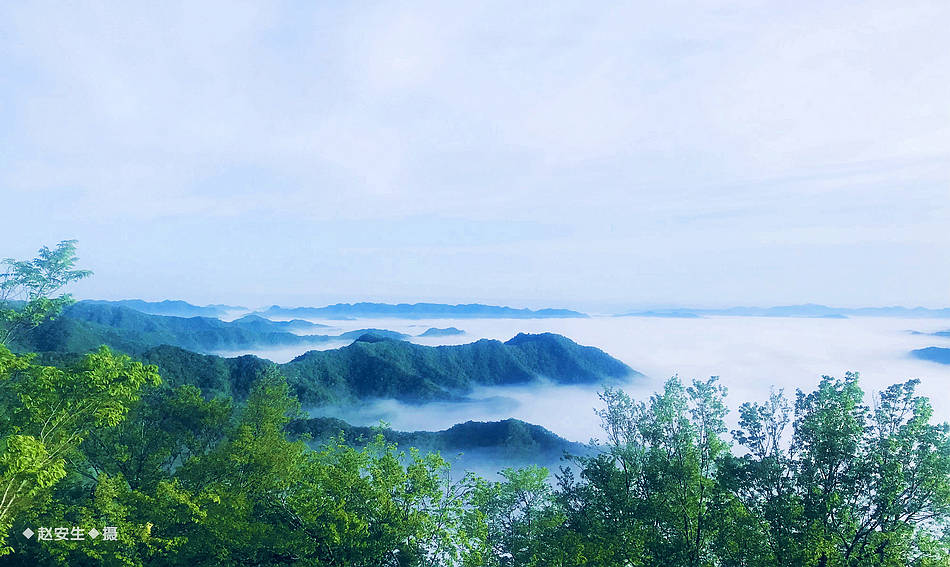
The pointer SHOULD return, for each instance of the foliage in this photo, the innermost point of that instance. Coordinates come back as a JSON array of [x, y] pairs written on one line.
[[48, 411], [857, 485], [652, 496], [202, 481], [27, 288], [516, 518]]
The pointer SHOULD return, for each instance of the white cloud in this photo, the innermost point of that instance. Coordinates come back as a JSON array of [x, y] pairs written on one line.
[[639, 129]]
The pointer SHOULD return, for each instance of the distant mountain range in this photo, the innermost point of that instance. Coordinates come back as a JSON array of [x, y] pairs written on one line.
[[346, 311], [173, 307], [349, 311], [943, 334], [809, 310], [86, 325], [418, 311]]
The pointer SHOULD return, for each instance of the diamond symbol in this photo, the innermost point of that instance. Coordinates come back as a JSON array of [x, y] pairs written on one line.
[[93, 533], [28, 533]]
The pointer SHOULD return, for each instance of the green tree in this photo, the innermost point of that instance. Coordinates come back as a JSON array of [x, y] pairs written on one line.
[[652, 497], [48, 411], [163, 430], [518, 518], [379, 507], [28, 288], [239, 485], [853, 486]]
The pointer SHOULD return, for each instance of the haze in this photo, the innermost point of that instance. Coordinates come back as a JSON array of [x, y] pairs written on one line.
[[538, 154]]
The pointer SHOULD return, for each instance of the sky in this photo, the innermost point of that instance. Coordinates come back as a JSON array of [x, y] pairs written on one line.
[[600, 156]]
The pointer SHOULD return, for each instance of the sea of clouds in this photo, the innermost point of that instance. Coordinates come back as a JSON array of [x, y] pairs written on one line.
[[751, 355]]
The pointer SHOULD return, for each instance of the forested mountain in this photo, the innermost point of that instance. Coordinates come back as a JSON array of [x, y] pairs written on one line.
[[377, 367], [86, 325], [380, 367], [379, 333], [216, 376], [475, 445], [262, 324], [418, 311], [174, 308]]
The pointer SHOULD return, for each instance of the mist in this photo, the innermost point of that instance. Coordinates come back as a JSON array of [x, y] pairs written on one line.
[[751, 355]]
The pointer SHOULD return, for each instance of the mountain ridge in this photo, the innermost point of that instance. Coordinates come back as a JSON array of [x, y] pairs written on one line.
[[805, 310], [173, 307], [420, 311], [375, 367], [379, 367], [86, 325], [493, 444]]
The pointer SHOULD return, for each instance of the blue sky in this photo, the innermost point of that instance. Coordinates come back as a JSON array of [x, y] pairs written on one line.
[[531, 154]]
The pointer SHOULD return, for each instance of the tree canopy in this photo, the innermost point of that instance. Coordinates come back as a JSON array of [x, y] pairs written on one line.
[[28, 288]]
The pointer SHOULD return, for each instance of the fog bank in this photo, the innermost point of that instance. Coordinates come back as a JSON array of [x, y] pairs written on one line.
[[749, 354]]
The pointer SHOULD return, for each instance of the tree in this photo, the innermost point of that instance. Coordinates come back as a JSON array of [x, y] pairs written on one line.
[[28, 287], [854, 486], [163, 430], [518, 518], [47, 412], [238, 486], [653, 497], [871, 479], [378, 507], [763, 481]]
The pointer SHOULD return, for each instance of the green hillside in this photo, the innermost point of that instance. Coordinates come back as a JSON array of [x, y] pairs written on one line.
[[172, 307], [496, 444], [215, 375], [376, 367], [85, 326]]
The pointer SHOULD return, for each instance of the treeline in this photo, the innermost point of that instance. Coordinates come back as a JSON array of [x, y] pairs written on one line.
[[187, 480]]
